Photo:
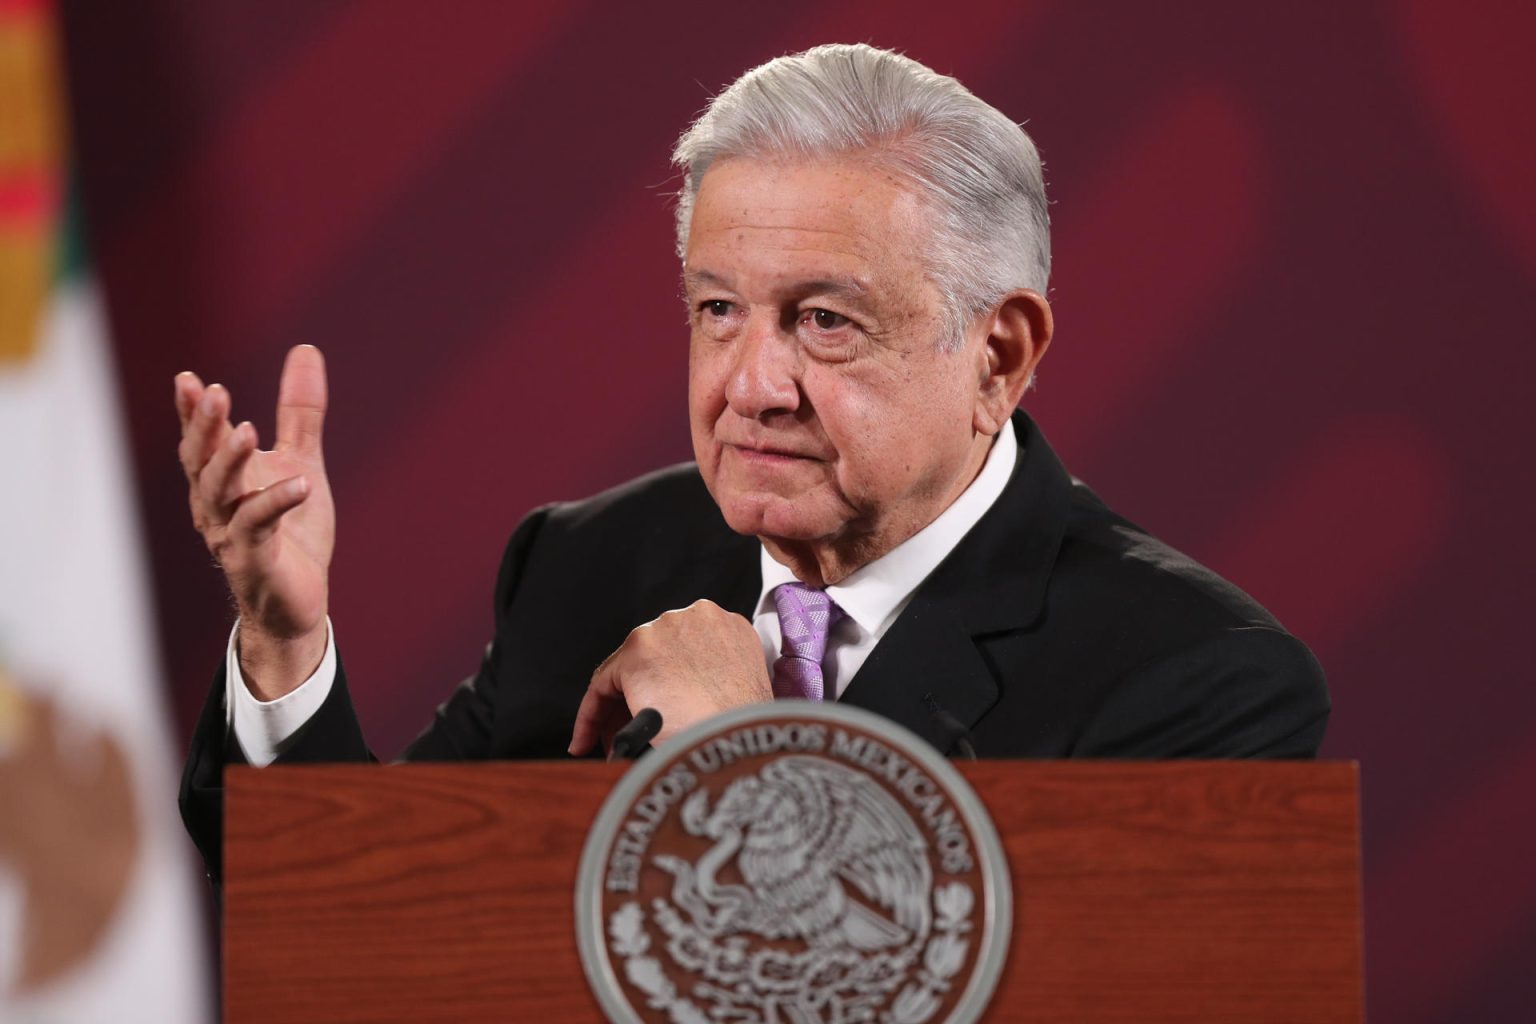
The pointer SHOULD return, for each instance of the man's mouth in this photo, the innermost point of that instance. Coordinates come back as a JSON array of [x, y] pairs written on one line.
[[768, 453]]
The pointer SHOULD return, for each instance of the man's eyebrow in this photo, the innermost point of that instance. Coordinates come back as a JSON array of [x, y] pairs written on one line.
[[695, 278], [850, 287]]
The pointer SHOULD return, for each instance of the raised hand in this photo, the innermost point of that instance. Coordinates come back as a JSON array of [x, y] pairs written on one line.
[[267, 518]]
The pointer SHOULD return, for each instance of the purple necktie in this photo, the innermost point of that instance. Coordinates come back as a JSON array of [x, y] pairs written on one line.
[[805, 615]]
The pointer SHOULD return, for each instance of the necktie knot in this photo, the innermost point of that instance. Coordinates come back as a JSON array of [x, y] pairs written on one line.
[[805, 616]]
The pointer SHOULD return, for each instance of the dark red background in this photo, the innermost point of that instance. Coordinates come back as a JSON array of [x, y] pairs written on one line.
[[1295, 252]]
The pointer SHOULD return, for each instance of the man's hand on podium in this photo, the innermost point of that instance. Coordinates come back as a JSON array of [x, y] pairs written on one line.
[[267, 518], [688, 664]]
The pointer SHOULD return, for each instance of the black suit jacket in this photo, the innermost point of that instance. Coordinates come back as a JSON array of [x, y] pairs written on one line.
[[1054, 629]]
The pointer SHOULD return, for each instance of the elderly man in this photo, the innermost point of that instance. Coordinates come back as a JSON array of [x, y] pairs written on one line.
[[865, 253]]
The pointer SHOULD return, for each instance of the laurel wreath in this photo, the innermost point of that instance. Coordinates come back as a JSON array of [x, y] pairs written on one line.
[[626, 931], [942, 958]]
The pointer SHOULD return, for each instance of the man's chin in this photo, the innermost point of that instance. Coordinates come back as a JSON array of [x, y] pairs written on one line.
[[771, 517]]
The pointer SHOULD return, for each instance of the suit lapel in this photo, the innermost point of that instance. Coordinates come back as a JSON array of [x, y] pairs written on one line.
[[926, 661], [993, 582]]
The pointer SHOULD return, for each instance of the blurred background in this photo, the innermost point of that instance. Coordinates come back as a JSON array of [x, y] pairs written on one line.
[[1295, 250]]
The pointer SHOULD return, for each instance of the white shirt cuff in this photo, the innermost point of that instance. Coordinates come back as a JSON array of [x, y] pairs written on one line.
[[263, 728]]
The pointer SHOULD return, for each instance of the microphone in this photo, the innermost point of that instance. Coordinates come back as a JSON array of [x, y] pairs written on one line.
[[635, 738], [959, 736]]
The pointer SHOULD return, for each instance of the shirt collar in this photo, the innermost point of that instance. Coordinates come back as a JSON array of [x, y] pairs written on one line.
[[873, 595]]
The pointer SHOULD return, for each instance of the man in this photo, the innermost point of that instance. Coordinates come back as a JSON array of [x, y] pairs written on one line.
[[865, 253]]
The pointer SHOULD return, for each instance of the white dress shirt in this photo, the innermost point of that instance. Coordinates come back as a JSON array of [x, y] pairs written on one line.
[[871, 600], [263, 727]]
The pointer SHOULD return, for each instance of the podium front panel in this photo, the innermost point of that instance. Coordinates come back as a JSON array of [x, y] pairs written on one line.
[[1150, 892]]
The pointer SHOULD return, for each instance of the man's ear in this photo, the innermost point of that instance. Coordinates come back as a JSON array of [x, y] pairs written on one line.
[[1018, 333]]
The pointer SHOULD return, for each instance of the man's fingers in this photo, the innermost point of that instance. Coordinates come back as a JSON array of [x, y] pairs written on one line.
[[260, 511], [602, 710], [584, 732], [221, 481], [206, 430], [301, 398], [189, 388]]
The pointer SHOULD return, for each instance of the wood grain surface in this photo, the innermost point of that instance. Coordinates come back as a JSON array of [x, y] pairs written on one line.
[[1167, 892]]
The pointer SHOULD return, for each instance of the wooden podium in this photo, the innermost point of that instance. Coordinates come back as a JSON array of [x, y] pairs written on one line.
[[1224, 891]]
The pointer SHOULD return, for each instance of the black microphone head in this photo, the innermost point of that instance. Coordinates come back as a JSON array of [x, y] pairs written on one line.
[[648, 722], [632, 740]]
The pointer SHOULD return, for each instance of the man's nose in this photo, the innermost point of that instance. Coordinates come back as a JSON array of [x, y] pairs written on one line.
[[765, 375]]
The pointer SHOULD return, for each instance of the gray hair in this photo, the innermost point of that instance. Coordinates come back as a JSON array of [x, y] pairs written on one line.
[[977, 170]]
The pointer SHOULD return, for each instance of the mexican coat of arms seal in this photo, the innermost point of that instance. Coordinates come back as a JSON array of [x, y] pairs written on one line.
[[793, 863]]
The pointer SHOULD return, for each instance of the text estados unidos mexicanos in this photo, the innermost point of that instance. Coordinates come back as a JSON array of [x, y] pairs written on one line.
[[919, 791]]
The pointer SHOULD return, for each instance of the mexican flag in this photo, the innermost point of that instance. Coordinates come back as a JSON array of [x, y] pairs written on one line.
[[98, 901]]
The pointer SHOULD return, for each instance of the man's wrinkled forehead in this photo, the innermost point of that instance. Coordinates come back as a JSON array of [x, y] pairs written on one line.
[[835, 227], [750, 191]]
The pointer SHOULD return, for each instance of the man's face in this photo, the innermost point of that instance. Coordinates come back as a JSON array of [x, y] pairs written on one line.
[[824, 416]]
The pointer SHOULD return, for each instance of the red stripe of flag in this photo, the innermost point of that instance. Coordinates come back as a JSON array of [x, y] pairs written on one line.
[[24, 10], [29, 200]]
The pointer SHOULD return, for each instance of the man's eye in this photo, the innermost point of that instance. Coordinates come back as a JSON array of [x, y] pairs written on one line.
[[828, 320], [717, 307]]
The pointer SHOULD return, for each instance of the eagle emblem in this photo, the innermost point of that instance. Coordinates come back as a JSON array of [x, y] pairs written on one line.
[[824, 855]]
